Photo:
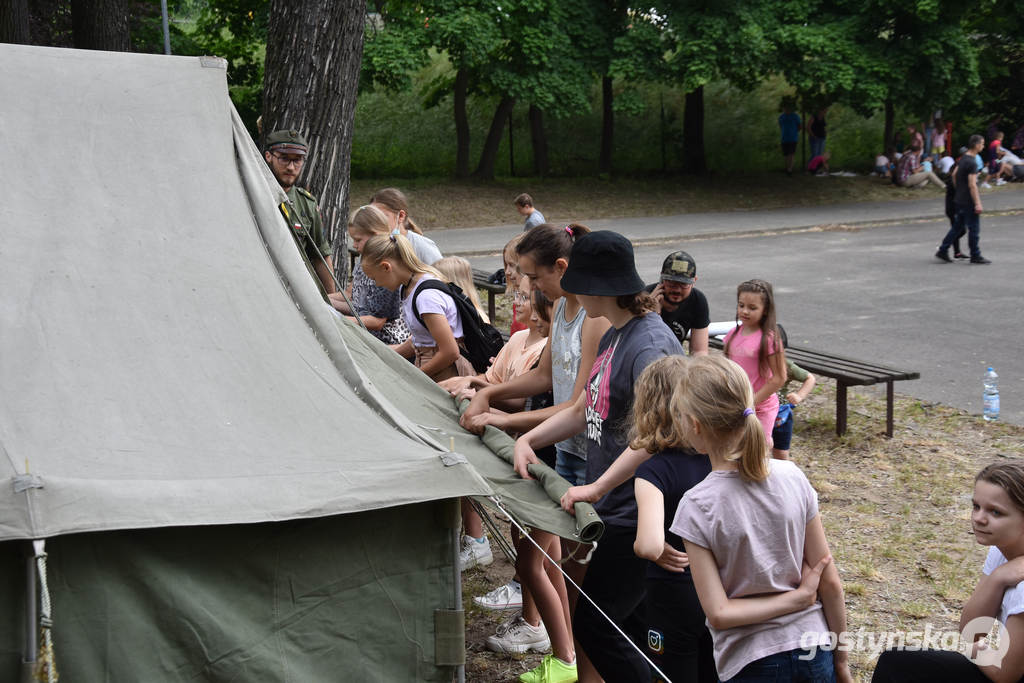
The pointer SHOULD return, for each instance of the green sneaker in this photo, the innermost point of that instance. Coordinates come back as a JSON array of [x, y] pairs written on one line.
[[551, 670]]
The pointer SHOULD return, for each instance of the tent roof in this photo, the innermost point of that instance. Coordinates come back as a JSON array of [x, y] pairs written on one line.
[[164, 355]]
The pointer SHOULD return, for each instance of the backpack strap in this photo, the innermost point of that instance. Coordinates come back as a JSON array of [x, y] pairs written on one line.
[[428, 284]]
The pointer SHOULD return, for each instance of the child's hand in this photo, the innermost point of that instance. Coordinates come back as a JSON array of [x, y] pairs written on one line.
[[794, 398], [673, 560], [1011, 573], [810, 578], [578, 494], [524, 457], [466, 394]]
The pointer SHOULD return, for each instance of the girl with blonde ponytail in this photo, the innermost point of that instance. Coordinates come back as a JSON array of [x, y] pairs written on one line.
[[752, 528]]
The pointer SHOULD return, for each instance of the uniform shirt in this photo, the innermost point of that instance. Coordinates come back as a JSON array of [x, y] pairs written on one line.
[[303, 217]]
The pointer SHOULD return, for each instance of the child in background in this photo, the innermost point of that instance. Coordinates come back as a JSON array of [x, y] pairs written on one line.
[[752, 528], [754, 345], [882, 168], [524, 205], [782, 435], [511, 261], [458, 270], [998, 522], [395, 206], [819, 164], [678, 640]]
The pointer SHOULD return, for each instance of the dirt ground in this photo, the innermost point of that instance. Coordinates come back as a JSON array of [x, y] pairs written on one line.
[[896, 512]]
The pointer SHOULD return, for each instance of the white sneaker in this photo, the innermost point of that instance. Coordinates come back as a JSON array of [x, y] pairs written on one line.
[[517, 636], [474, 553], [1000, 181], [509, 596], [985, 186]]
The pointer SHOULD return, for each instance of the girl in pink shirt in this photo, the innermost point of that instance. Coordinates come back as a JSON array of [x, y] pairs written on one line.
[[754, 345]]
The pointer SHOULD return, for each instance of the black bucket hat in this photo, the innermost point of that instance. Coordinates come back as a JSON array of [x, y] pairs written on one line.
[[601, 264]]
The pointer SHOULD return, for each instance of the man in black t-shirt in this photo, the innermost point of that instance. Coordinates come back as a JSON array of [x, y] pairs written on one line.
[[683, 308], [967, 203]]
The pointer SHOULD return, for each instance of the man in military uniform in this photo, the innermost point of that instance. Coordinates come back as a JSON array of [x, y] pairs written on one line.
[[285, 154]]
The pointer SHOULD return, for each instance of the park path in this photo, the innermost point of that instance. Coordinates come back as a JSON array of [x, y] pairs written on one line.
[[488, 240]]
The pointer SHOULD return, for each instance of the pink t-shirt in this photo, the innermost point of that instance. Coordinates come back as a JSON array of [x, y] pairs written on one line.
[[756, 532], [515, 358], [744, 350]]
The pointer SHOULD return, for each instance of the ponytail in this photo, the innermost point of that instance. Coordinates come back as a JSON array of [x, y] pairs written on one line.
[[395, 200], [717, 394], [396, 248], [547, 243]]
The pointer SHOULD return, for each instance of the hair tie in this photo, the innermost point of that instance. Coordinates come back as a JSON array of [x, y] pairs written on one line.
[[568, 229], [394, 240], [747, 412]]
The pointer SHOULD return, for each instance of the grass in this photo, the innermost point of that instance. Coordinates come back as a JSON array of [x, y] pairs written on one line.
[[896, 512], [443, 203]]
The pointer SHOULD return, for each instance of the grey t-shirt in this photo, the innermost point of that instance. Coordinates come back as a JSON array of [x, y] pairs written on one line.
[[566, 353], [756, 532], [425, 248], [533, 220], [621, 356]]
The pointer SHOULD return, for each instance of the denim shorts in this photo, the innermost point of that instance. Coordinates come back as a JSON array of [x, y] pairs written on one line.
[[793, 665], [782, 435], [571, 467]]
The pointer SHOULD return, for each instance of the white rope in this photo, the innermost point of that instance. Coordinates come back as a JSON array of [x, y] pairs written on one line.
[[46, 667], [629, 640]]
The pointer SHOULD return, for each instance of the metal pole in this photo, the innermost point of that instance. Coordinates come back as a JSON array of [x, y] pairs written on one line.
[[31, 611], [167, 30], [460, 671]]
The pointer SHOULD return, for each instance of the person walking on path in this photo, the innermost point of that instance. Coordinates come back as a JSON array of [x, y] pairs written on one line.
[[524, 205], [968, 204]]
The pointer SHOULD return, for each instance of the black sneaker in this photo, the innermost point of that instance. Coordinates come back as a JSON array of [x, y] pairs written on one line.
[[956, 255], [980, 260], [943, 255]]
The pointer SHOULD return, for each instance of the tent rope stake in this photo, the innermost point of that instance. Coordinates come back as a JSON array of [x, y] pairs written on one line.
[[46, 666], [577, 587]]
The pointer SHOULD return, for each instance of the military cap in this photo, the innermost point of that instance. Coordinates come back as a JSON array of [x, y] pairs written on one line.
[[287, 141], [679, 267]]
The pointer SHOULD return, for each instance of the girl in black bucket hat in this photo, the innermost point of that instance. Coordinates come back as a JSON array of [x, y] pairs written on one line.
[[602, 274]]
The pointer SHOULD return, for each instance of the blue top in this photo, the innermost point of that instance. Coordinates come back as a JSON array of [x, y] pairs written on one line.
[[790, 125]]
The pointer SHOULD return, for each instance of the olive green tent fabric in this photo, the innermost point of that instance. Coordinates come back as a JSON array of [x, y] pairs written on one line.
[[341, 598]]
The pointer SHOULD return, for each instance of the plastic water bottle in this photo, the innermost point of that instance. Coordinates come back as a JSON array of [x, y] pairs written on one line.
[[990, 396]]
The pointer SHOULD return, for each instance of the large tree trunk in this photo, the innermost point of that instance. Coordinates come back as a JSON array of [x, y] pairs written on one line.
[[488, 155], [888, 143], [693, 133], [539, 139], [100, 25], [314, 51], [14, 22], [604, 161], [461, 124]]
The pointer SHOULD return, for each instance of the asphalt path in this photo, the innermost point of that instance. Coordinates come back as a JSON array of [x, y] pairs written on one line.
[[877, 292]]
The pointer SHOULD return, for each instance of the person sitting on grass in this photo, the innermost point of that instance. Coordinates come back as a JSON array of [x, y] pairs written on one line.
[[524, 205], [997, 520]]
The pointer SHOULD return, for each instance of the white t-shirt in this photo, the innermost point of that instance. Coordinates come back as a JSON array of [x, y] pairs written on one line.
[[756, 532], [881, 160], [425, 248], [946, 163], [1011, 157], [1013, 598], [429, 301]]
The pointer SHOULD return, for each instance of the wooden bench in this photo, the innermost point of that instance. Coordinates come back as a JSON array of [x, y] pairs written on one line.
[[480, 279], [846, 372]]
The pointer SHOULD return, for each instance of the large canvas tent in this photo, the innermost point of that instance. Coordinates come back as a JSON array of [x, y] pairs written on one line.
[[232, 483]]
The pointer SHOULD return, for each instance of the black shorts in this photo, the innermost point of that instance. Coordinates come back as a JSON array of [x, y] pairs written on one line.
[[788, 148]]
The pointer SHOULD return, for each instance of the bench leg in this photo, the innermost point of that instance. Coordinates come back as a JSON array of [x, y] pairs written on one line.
[[840, 409], [490, 306], [888, 409]]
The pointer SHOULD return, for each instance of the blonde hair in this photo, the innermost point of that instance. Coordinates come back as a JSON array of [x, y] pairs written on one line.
[[369, 220], [396, 248], [509, 255], [654, 427], [718, 396], [458, 270], [395, 200]]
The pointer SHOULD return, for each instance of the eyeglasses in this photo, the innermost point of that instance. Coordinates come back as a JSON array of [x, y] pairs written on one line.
[[288, 161]]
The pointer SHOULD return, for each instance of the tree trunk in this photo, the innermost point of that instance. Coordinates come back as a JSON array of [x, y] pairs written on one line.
[[314, 51], [693, 133], [100, 25], [488, 155], [461, 124], [539, 139], [888, 143], [604, 161], [14, 22]]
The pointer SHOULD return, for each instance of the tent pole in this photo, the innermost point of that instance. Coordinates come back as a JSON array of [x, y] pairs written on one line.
[[31, 612], [460, 670]]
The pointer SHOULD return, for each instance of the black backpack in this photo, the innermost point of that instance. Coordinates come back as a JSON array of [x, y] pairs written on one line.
[[481, 341]]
